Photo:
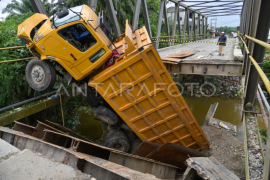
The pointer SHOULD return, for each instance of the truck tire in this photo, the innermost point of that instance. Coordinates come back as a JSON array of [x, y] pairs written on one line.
[[40, 75], [116, 139], [134, 144], [105, 115]]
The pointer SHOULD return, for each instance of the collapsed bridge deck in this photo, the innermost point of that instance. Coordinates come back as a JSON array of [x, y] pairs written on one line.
[[204, 58]]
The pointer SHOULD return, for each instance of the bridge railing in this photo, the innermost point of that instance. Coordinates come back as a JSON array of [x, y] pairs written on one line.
[[14, 60], [267, 85]]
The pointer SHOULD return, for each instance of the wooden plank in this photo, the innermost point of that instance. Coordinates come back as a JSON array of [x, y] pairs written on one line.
[[210, 114], [171, 59]]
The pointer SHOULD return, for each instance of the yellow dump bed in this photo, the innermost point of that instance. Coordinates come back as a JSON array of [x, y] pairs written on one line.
[[140, 89]]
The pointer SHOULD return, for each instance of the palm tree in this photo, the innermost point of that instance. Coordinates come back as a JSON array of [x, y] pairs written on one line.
[[24, 6]]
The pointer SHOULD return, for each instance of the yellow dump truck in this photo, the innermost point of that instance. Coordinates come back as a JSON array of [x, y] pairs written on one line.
[[137, 98]]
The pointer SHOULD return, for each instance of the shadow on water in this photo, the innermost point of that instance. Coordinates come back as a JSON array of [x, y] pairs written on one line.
[[89, 127]]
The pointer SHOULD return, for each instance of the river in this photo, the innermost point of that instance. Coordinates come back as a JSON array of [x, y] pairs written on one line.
[[228, 110]]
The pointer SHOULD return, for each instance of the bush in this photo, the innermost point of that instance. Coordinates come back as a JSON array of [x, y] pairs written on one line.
[[13, 85]]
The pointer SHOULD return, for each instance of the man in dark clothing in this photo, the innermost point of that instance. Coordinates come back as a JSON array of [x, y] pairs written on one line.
[[222, 40]]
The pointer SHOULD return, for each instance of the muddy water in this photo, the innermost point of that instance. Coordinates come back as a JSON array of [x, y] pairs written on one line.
[[89, 127], [229, 110]]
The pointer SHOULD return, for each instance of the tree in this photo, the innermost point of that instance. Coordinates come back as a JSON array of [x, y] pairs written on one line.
[[226, 29], [25, 6]]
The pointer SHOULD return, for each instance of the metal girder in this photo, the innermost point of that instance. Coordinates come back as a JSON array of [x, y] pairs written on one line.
[[161, 9], [222, 10], [112, 17], [198, 25], [176, 14], [166, 23], [193, 26], [203, 30], [223, 15], [38, 7], [208, 7], [45, 104], [185, 6], [179, 24], [146, 17], [93, 4], [136, 14], [228, 10], [186, 22], [263, 25], [205, 27], [200, 67], [220, 5]]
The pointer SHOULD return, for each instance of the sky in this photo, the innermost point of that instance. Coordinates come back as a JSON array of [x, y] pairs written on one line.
[[3, 4], [221, 20]]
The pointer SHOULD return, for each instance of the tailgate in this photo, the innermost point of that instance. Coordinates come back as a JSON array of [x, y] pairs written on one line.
[[142, 92]]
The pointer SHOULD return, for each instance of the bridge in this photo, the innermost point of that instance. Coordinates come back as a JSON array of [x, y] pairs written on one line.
[[201, 57]]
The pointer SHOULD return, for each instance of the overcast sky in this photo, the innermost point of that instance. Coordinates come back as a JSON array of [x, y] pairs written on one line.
[[3, 4], [221, 20]]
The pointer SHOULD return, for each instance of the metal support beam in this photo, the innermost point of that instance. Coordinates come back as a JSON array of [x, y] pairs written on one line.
[[136, 14], [113, 18], [185, 6], [167, 23], [192, 26], [199, 26], [186, 24], [176, 14], [179, 24], [92, 4], [254, 17], [259, 51], [209, 7], [203, 28], [146, 17], [223, 15], [38, 7], [161, 8]]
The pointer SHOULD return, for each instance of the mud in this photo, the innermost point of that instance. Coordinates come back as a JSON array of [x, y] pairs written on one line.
[[226, 148]]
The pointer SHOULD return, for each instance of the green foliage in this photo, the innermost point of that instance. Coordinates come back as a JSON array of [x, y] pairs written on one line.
[[16, 7], [13, 85], [71, 112], [263, 133], [227, 30], [266, 63]]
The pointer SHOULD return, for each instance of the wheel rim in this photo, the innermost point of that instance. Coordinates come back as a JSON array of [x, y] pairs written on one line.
[[38, 74], [118, 146]]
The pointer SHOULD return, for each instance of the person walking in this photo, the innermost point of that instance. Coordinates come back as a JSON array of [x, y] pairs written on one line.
[[222, 40]]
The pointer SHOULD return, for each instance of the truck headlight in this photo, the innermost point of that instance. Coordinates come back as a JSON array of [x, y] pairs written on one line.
[[38, 37]]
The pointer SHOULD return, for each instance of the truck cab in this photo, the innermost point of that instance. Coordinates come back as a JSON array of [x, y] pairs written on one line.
[[76, 41]]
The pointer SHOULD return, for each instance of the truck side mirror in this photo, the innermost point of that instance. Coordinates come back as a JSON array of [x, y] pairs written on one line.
[[62, 13], [62, 2]]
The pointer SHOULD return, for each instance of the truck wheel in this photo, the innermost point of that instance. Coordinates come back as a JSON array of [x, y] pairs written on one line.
[[105, 115], [134, 144], [116, 139], [40, 75]]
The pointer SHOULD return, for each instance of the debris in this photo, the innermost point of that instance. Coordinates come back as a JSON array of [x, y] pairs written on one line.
[[224, 126], [208, 169], [210, 113]]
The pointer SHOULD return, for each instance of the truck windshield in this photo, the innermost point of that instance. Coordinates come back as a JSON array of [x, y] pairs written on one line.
[[69, 18]]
